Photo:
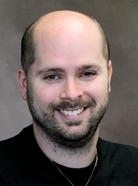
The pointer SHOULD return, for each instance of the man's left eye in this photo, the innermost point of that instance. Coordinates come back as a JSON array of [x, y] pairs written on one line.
[[88, 74]]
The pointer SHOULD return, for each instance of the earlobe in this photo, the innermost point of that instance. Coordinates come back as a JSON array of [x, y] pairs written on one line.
[[22, 83], [110, 71]]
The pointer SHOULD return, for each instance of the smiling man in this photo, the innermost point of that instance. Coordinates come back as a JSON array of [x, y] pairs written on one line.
[[65, 79]]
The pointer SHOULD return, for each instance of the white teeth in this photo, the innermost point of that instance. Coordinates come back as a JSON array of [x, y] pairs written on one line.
[[72, 113]]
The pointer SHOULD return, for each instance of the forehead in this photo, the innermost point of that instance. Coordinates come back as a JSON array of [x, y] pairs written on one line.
[[66, 20], [66, 24], [67, 39]]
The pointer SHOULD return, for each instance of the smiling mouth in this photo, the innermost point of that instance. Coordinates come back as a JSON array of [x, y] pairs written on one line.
[[71, 112]]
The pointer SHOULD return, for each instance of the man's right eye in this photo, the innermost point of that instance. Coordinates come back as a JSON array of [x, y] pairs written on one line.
[[52, 77]]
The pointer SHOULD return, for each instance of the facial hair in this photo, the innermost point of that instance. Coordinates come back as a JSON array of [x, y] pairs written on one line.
[[51, 127]]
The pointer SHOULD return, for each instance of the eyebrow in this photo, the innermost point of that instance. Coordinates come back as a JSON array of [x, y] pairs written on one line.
[[45, 70], [86, 67], [60, 70]]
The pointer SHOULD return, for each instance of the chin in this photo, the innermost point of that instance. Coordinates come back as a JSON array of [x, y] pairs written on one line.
[[75, 137], [76, 141]]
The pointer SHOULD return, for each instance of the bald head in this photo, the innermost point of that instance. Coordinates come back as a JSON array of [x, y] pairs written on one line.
[[59, 26]]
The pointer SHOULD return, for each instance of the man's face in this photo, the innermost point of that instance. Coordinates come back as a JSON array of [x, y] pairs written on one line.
[[68, 85]]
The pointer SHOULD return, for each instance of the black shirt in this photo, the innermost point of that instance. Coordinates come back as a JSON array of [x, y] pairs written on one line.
[[22, 163]]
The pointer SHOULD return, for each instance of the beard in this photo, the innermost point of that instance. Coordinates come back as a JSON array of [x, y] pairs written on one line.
[[53, 129]]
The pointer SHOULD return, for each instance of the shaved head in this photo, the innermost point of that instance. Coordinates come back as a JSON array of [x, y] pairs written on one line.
[[60, 24], [67, 76]]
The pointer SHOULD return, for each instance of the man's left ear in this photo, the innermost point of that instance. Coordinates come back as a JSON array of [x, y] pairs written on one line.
[[110, 71], [22, 83]]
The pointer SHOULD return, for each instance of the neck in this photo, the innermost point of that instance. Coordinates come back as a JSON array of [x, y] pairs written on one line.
[[79, 158]]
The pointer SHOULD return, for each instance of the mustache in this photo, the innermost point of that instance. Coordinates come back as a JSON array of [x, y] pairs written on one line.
[[67, 104]]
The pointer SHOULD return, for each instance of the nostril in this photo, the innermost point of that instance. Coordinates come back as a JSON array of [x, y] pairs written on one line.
[[71, 94], [71, 90]]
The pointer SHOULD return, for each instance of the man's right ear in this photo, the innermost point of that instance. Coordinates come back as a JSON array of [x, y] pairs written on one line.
[[22, 83]]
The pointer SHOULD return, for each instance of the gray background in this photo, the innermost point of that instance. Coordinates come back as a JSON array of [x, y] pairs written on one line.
[[120, 21]]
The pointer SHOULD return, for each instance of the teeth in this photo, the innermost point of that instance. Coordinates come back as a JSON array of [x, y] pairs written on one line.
[[72, 113]]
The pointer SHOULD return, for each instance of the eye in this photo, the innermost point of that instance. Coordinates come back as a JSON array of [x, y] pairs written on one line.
[[52, 77], [88, 74]]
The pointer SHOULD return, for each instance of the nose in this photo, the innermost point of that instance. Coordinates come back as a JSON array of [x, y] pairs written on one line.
[[71, 90]]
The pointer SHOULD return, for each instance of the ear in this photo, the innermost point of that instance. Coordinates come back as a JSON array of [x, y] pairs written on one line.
[[110, 71], [22, 83]]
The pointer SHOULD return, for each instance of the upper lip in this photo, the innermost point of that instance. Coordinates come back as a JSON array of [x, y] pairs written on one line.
[[71, 109]]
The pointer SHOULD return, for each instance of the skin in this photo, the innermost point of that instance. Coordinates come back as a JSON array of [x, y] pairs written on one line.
[[70, 72]]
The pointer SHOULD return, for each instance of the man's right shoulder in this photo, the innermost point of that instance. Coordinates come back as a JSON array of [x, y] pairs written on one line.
[[10, 150]]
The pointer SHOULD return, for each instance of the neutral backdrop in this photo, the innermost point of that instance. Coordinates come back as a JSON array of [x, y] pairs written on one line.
[[120, 21]]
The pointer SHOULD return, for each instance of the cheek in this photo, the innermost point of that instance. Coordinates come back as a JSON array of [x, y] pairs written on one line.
[[45, 94], [98, 89]]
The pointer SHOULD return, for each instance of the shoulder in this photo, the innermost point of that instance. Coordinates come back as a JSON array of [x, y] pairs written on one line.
[[118, 149], [11, 150], [119, 157], [117, 164]]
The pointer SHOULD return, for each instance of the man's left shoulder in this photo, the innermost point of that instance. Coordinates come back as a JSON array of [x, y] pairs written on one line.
[[120, 153], [118, 164], [122, 147]]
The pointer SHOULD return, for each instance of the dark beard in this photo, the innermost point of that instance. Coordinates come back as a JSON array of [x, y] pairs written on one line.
[[50, 127]]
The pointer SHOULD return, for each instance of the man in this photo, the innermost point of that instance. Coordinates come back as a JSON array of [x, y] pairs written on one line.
[[65, 79]]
